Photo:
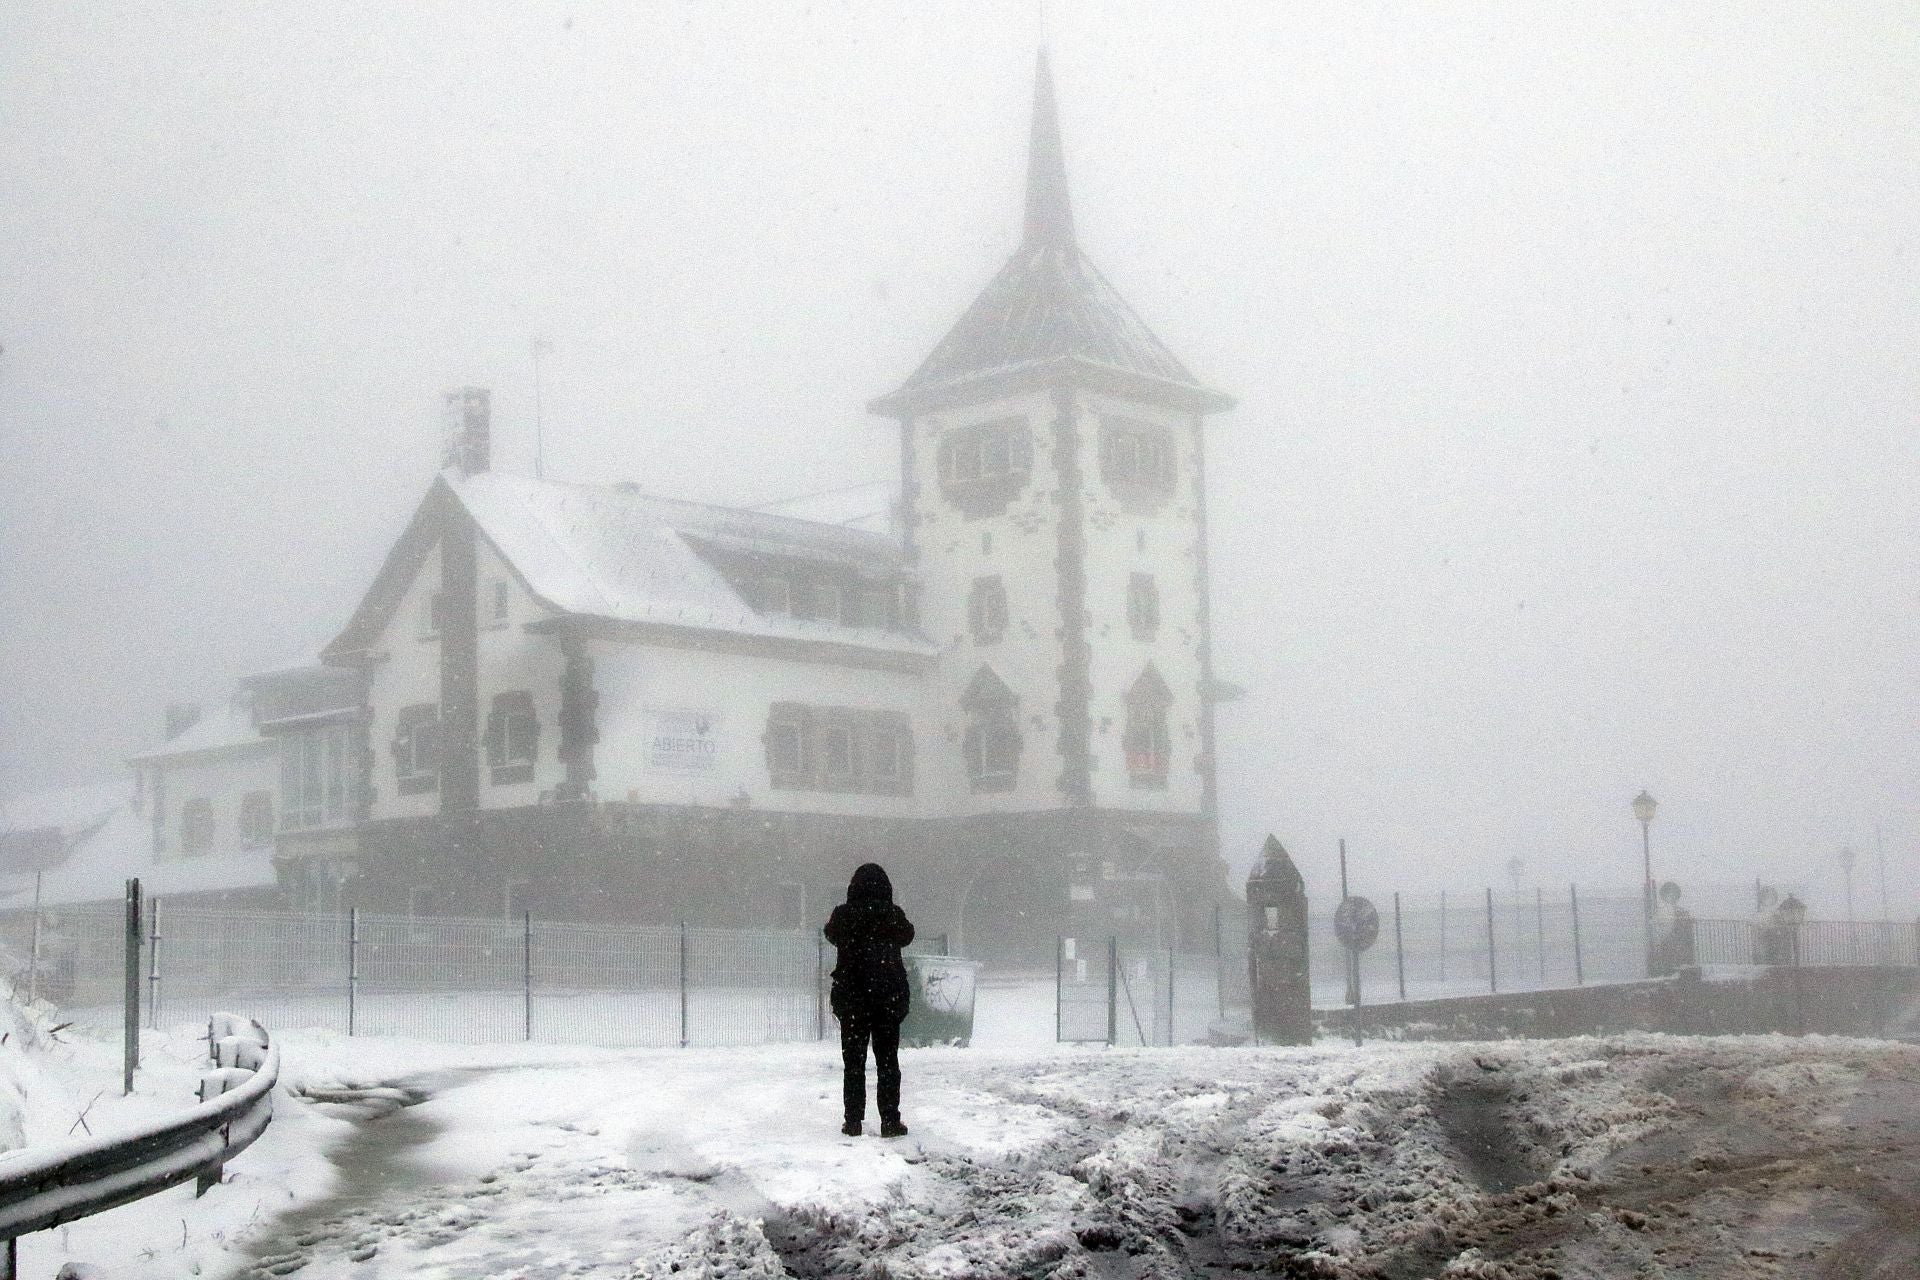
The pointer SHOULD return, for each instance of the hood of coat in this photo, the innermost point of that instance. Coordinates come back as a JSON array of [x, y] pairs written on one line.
[[870, 884]]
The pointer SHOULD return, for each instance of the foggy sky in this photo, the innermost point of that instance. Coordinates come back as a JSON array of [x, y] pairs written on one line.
[[1575, 346]]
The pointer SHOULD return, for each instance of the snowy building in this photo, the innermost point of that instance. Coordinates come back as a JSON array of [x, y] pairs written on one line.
[[196, 823], [592, 703]]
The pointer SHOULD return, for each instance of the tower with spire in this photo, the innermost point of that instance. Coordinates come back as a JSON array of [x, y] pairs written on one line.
[[1053, 502]]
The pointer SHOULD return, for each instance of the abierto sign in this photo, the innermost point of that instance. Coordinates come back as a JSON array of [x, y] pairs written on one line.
[[682, 741]]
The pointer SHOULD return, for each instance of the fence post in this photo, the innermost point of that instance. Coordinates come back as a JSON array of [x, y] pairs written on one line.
[[1170, 995], [1443, 935], [526, 967], [1579, 969], [1493, 975], [1219, 966], [1113, 990], [353, 966], [683, 984], [33, 964], [153, 967], [1399, 949], [1540, 929], [1059, 981], [130, 998]]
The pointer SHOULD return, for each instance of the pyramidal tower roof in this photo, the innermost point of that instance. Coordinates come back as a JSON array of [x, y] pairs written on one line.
[[1049, 315]]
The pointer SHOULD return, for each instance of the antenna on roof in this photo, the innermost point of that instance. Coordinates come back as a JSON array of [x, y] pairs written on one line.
[[539, 435]]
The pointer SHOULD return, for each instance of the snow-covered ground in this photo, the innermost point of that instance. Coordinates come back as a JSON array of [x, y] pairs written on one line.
[[1638, 1155]]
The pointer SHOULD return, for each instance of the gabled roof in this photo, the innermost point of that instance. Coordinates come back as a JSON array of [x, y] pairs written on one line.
[[1049, 314], [610, 553], [121, 846]]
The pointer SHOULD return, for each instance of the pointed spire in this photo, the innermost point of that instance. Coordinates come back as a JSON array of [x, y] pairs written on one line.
[[1049, 212]]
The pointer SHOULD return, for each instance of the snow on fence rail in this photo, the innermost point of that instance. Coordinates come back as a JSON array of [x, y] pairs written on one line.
[[41, 1188]]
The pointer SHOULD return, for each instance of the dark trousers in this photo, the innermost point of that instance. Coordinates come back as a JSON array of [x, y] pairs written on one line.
[[855, 1032]]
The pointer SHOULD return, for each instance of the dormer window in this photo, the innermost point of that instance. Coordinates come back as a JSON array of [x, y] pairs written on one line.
[[984, 465], [773, 595]]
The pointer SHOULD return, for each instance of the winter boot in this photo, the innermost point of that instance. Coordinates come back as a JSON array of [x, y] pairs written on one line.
[[851, 1128], [892, 1128]]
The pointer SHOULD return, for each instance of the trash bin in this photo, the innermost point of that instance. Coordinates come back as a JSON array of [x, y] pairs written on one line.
[[941, 1010]]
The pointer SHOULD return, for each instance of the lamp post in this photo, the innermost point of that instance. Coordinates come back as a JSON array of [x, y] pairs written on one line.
[[1643, 807]]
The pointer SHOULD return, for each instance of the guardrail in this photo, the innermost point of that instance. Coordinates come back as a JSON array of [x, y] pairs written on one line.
[[44, 1188]]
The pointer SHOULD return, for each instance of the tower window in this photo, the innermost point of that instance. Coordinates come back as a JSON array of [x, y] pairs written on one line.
[[992, 743], [1148, 745], [987, 610], [416, 749], [512, 737], [1143, 606], [984, 465], [1136, 458]]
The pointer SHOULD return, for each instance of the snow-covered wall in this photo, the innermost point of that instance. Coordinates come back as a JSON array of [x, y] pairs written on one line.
[[688, 726]]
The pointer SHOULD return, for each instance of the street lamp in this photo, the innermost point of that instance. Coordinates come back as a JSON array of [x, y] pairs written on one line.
[[1643, 807]]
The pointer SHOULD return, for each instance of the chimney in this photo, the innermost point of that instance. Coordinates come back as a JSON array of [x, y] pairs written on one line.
[[181, 716], [469, 431]]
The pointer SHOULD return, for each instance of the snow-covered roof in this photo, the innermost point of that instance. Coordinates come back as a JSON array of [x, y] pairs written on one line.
[[605, 551], [223, 727], [121, 848], [67, 809], [610, 552]]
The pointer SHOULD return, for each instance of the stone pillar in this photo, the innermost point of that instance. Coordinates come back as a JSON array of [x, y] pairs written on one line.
[[1277, 950]]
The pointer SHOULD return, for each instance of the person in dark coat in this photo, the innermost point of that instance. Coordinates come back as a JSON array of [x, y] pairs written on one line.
[[870, 994]]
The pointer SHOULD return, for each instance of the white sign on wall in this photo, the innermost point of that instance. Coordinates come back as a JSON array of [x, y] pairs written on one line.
[[681, 741]]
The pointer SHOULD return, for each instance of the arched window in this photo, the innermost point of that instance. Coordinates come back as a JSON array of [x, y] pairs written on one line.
[[992, 744], [1148, 745]]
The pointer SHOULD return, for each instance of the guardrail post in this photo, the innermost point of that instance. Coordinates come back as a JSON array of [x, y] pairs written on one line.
[[526, 967], [683, 984], [353, 965], [130, 1000]]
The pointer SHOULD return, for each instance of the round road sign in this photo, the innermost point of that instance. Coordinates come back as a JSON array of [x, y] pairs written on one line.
[[1356, 924]]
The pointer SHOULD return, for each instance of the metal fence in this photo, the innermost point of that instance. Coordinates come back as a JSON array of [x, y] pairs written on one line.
[[1813, 943], [437, 978], [1108, 992], [1434, 945]]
